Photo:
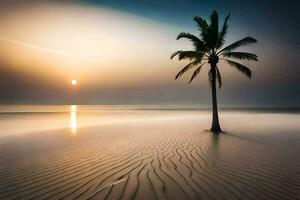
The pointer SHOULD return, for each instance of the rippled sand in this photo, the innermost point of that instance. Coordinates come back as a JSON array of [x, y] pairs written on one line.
[[156, 155]]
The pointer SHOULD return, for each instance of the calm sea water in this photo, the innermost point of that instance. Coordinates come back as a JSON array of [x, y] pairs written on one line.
[[269, 125]]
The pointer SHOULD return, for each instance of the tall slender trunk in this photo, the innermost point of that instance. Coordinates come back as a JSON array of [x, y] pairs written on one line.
[[215, 127]]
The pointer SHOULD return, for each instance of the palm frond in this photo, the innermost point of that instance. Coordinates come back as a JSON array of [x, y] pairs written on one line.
[[189, 36], [186, 68], [243, 42], [214, 28], [245, 70], [196, 72], [204, 31], [187, 55], [210, 77], [221, 38], [219, 78], [240, 55], [197, 42], [202, 24]]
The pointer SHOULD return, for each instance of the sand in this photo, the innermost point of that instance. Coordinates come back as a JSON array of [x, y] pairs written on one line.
[[156, 155]]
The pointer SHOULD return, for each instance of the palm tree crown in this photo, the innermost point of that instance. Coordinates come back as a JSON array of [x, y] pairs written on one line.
[[208, 49]]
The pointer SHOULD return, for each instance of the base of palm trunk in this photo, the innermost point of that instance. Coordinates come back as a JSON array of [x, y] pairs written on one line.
[[216, 129]]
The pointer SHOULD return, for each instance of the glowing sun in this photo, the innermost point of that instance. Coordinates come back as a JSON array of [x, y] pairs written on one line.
[[74, 82]]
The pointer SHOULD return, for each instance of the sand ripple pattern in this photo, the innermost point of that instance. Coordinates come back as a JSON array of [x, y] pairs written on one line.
[[149, 161]]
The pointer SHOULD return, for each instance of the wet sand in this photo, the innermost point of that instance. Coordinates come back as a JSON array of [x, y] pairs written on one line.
[[156, 155]]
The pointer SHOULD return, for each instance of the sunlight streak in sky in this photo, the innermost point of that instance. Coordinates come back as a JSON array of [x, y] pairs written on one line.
[[38, 47]]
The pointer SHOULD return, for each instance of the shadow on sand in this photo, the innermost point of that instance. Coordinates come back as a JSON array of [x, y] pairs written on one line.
[[216, 136], [240, 137]]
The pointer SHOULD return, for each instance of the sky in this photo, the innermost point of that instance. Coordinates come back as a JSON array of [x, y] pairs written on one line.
[[119, 52]]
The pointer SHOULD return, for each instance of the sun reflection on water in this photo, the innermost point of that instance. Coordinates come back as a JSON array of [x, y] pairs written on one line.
[[73, 120]]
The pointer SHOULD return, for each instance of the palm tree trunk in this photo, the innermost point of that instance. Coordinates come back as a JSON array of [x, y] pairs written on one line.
[[215, 127]]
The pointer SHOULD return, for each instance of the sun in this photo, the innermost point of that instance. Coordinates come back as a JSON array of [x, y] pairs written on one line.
[[74, 82]]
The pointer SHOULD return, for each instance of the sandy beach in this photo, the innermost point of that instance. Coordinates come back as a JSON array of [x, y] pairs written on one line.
[[151, 154]]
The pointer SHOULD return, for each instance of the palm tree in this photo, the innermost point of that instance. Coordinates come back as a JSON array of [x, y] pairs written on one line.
[[208, 51]]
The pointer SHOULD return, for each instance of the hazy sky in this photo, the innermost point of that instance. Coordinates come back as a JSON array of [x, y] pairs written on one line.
[[118, 51]]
